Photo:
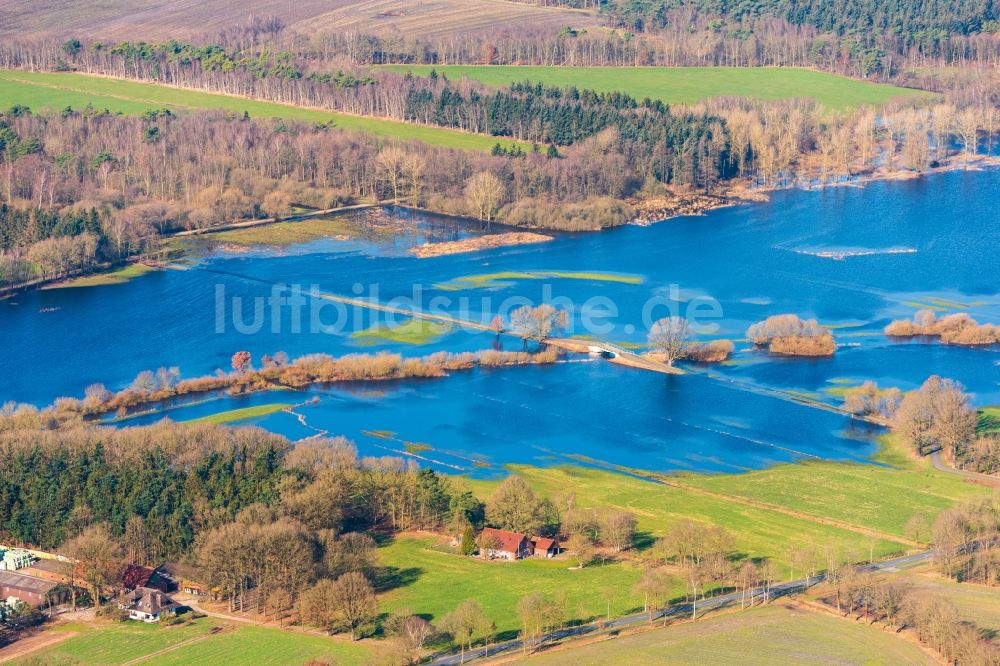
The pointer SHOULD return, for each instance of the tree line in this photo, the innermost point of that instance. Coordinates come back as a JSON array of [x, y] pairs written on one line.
[[870, 40]]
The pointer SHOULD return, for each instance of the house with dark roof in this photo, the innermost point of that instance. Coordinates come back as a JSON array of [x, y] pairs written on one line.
[[52, 570], [501, 544], [147, 604]]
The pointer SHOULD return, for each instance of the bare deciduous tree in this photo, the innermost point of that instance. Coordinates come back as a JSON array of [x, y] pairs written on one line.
[[669, 337], [485, 193]]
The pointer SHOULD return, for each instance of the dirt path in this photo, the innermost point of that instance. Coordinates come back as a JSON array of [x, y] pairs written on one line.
[[25, 646]]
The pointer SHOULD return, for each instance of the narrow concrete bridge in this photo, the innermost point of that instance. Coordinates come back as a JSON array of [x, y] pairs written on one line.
[[613, 353]]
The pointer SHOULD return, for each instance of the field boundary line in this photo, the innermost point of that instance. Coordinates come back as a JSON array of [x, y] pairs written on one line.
[[247, 98], [170, 648], [819, 608], [823, 520]]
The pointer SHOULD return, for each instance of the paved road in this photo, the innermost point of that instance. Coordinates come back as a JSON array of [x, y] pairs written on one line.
[[674, 611], [941, 466]]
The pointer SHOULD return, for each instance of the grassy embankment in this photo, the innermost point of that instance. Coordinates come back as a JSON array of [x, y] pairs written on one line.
[[55, 91], [851, 510], [108, 643], [686, 85], [989, 420], [116, 276], [778, 634]]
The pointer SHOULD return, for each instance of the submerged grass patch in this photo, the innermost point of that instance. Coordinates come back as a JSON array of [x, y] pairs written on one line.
[[507, 278], [242, 414], [288, 233], [926, 306], [116, 276], [410, 332]]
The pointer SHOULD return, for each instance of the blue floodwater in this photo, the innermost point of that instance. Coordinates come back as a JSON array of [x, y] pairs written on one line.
[[854, 258]]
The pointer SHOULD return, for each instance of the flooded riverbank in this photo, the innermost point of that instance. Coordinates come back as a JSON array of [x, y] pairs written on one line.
[[833, 254]]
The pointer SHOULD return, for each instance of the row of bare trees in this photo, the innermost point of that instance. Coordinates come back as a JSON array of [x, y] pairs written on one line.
[[687, 38], [873, 597]]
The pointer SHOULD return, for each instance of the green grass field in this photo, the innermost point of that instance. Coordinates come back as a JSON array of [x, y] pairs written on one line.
[[55, 91], [777, 634], [434, 579], [859, 497], [757, 532], [882, 497], [686, 85], [242, 414], [989, 419], [439, 579], [106, 644]]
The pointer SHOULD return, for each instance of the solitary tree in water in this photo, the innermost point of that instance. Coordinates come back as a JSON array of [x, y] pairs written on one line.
[[539, 323], [669, 337], [241, 361]]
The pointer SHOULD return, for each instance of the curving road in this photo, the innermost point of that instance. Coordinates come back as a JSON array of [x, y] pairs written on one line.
[[942, 466], [635, 619]]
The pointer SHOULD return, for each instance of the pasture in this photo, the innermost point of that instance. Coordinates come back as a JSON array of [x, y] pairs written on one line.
[[882, 497], [687, 85], [989, 420], [236, 644], [777, 634], [55, 91], [428, 577], [841, 510], [757, 532]]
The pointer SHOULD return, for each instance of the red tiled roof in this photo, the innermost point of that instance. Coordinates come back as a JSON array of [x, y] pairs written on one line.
[[507, 542], [135, 576], [545, 544]]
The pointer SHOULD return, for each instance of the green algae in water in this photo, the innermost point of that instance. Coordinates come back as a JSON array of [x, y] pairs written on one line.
[[507, 278], [411, 332]]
